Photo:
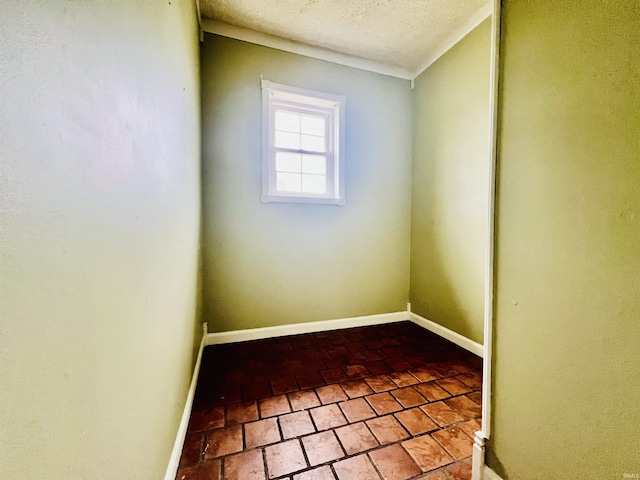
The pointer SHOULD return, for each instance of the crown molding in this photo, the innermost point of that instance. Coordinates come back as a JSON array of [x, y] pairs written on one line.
[[279, 43], [455, 37]]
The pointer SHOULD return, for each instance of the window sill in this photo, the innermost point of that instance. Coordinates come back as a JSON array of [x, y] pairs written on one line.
[[297, 199]]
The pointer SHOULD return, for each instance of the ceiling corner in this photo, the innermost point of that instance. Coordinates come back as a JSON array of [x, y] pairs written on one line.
[[455, 37]]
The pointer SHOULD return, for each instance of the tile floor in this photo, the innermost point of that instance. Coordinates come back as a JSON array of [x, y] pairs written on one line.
[[391, 402]]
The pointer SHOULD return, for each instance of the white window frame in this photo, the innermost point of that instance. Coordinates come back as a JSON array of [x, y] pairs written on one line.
[[332, 107]]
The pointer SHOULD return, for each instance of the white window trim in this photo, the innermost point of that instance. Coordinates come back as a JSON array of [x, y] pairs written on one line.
[[311, 101]]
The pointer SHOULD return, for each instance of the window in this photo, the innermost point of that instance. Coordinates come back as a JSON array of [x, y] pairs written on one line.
[[302, 145]]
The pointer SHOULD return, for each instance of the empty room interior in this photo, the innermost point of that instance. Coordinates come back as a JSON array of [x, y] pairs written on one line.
[[319, 240]]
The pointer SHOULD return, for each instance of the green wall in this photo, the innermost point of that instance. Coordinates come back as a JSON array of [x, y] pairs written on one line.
[[99, 228], [567, 325], [275, 264], [450, 186]]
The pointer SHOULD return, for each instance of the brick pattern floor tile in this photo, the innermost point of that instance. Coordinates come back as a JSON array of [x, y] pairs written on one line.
[[403, 379], [427, 453], [262, 432], [223, 442], [442, 413], [459, 470], [463, 366], [322, 447], [475, 397], [331, 394], [432, 391], [357, 371], [415, 421], [356, 388], [283, 385], [454, 386], [384, 403], [455, 441], [408, 397], [245, 466], [205, 471], [359, 468], [394, 463], [424, 374], [329, 416], [445, 369], [356, 438], [387, 429], [334, 375], [296, 424], [303, 400], [374, 354], [192, 449], [310, 380], [284, 458], [437, 475], [242, 413], [321, 473], [273, 406], [381, 402], [206, 419], [356, 410], [471, 426], [380, 383], [471, 379], [378, 367], [398, 364], [465, 406]]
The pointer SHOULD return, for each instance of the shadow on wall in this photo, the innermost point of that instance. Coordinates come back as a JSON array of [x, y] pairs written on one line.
[[448, 224], [437, 295]]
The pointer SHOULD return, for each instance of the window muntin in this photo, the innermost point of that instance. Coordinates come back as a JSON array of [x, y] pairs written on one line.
[[303, 138]]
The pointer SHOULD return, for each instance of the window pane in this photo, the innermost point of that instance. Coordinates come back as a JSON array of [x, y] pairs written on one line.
[[314, 184], [312, 143], [288, 182], [288, 162], [288, 140], [287, 121], [314, 164], [312, 125]]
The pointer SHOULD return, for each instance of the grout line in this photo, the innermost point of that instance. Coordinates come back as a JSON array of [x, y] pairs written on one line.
[[304, 453], [373, 464], [264, 462]]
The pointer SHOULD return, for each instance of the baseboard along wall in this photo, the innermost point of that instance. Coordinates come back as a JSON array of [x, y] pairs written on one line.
[[308, 327], [174, 460], [325, 325], [450, 335]]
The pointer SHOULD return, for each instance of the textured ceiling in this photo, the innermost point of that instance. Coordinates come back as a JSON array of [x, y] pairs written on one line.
[[399, 33]]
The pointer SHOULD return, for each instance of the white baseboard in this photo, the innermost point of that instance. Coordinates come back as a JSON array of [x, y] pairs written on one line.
[[480, 470], [477, 459], [450, 335], [309, 327], [324, 325], [174, 460], [488, 474]]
